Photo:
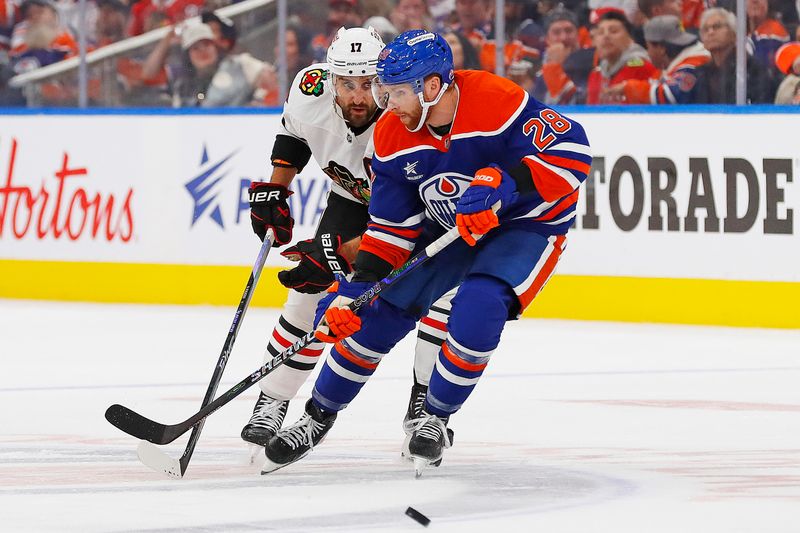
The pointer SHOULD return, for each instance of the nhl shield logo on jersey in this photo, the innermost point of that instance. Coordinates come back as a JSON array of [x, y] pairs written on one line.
[[312, 82], [441, 194]]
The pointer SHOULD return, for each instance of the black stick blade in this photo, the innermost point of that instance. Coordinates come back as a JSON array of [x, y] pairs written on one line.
[[137, 425]]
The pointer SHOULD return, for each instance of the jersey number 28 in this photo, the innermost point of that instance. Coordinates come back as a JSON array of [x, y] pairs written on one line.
[[538, 126]]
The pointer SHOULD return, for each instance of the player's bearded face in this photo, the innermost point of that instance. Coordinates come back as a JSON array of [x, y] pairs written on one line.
[[401, 100], [354, 96]]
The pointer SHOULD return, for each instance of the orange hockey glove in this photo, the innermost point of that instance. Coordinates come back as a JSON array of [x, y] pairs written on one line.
[[334, 319], [490, 189]]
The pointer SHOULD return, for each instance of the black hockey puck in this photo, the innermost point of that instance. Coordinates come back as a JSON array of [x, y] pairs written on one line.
[[419, 517]]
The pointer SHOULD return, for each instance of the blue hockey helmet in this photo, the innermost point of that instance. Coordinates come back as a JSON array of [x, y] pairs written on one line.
[[412, 56], [408, 60]]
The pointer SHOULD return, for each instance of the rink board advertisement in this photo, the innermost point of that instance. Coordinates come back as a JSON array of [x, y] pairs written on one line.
[[689, 218]]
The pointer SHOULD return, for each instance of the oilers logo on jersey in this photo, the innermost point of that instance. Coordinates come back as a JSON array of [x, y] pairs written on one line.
[[441, 194], [312, 82]]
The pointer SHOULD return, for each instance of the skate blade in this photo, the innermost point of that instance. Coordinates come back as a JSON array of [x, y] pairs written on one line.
[[270, 467], [420, 464], [404, 451], [253, 451]]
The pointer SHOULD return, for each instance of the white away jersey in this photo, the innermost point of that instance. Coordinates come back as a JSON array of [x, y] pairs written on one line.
[[311, 115]]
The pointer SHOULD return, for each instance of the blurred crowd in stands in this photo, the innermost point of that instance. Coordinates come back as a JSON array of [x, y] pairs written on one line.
[[560, 51]]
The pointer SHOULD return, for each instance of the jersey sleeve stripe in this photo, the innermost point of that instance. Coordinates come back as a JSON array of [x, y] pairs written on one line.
[[401, 232], [391, 239], [551, 182], [560, 207], [394, 255], [565, 162], [576, 148], [398, 153], [410, 221]]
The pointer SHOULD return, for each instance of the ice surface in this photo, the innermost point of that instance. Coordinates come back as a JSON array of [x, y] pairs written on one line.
[[576, 426]]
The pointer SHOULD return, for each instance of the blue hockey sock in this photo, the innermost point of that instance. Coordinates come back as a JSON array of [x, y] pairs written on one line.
[[480, 310]]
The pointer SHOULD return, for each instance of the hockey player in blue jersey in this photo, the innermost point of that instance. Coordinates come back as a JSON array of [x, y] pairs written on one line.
[[466, 149]]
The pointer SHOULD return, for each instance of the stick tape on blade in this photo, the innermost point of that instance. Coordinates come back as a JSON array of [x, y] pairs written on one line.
[[152, 456]]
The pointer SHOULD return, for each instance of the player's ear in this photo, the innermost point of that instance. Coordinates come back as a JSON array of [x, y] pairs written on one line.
[[432, 85]]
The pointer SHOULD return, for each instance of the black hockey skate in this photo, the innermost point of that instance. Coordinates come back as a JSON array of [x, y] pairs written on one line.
[[296, 441], [415, 406], [267, 418], [429, 439]]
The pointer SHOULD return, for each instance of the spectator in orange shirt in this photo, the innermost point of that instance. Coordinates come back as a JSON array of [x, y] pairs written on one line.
[[787, 59], [765, 36], [43, 15], [565, 71], [620, 59], [474, 20], [677, 53]]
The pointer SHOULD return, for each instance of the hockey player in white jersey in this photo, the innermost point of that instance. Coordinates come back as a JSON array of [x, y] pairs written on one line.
[[330, 113]]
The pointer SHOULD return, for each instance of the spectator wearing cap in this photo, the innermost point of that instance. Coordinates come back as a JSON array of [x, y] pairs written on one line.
[[629, 8], [411, 14], [787, 59], [620, 59], [211, 78], [677, 53], [565, 71], [716, 79]]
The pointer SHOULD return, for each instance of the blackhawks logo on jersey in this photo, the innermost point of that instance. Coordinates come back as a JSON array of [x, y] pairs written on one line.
[[312, 82], [357, 187]]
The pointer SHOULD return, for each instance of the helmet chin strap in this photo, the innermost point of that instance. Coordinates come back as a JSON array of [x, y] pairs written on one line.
[[427, 105]]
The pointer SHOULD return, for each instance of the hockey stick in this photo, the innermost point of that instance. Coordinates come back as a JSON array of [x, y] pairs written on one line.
[[155, 458], [139, 426]]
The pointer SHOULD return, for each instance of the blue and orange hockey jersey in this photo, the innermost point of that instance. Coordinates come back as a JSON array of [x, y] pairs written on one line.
[[419, 174]]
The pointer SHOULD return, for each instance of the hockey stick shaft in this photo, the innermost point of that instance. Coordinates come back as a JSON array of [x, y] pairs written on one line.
[[227, 347], [139, 426]]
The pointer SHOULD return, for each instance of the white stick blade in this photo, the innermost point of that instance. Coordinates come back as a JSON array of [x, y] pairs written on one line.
[[152, 456]]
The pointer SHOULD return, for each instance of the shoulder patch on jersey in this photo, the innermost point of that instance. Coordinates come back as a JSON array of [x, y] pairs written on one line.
[[312, 82], [685, 81], [635, 62]]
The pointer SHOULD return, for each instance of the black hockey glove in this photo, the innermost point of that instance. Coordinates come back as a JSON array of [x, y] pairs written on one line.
[[319, 261], [269, 209]]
